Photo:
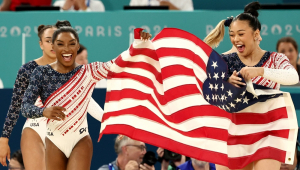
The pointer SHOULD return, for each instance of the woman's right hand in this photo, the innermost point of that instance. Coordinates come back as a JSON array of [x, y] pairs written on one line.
[[235, 80], [4, 151], [55, 113]]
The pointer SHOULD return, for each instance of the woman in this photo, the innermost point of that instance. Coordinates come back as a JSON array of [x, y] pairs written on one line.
[[289, 47], [34, 130], [65, 89], [33, 155], [269, 69]]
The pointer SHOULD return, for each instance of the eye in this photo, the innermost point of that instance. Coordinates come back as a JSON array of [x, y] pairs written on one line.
[[241, 34], [48, 41], [59, 44], [231, 35]]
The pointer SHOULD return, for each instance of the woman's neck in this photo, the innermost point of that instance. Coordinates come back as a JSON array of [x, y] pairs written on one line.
[[63, 69], [252, 58], [44, 60]]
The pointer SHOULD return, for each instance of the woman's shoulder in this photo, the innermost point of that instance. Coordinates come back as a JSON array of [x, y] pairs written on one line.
[[27, 68], [30, 65], [227, 56], [275, 56]]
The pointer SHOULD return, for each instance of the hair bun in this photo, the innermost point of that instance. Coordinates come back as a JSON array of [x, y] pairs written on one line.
[[64, 23], [252, 8], [41, 27]]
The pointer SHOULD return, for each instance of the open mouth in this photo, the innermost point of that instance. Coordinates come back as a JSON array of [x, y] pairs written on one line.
[[67, 57], [240, 48]]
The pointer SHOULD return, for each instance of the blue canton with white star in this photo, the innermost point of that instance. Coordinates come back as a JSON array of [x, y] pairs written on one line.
[[217, 91]]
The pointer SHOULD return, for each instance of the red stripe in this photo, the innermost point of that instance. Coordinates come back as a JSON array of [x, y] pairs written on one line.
[[184, 53], [260, 118], [140, 65], [174, 32], [170, 95], [207, 132], [184, 114], [147, 82], [254, 137], [166, 143], [175, 70], [145, 113], [190, 151], [137, 32], [143, 51], [263, 153]]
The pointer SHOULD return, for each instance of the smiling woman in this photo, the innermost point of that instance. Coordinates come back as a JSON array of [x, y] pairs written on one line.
[[265, 68], [65, 89], [30, 134]]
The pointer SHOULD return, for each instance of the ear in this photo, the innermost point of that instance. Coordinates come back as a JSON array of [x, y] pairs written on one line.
[[124, 149], [41, 45], [257, 35]]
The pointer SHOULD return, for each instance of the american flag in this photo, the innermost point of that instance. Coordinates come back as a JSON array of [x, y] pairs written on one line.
[[171, 92]]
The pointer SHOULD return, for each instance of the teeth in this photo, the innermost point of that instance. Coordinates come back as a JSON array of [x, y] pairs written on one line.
[[239, 45], [66, 55]]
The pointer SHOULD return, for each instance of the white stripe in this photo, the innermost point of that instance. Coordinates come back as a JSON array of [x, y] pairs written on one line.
[[289, 158], [185, 126], [174, 60], [168, 83], [141, 58], [198, 71], [112, 85], [119, 84], [264, 107], [246, 129], [185, 102], [176, 81], [235, 151], [233, 129], [182, 43], [154, 127]]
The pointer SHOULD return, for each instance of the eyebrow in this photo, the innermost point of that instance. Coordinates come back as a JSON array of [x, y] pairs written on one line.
[[69, 41], [48, 37], [237, 31]]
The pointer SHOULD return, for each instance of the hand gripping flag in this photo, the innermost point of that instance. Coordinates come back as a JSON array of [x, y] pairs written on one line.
[[171, 92]]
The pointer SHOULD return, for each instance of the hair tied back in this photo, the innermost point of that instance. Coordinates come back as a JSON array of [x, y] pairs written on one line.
[[228, 21]]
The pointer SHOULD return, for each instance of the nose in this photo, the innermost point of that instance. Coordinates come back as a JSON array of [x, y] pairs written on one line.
[[65, 48], [236, 38]]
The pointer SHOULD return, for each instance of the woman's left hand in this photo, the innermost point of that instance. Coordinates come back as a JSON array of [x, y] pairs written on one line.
[[250, 72], [145, 36]]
